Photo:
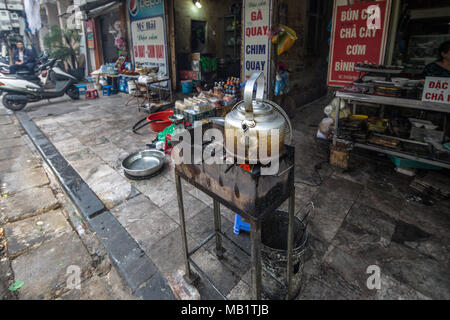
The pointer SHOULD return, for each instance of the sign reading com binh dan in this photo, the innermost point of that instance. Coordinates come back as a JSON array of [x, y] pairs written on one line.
[[148, 35], [358, 35]]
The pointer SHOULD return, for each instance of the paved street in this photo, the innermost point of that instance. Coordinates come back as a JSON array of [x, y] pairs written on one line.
[[363, 216], [41, 235]]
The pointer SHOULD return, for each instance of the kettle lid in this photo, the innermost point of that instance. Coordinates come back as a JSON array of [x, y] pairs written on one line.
[[259, 107]]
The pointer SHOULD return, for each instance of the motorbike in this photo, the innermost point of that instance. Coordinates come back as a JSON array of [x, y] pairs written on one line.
[[4, 64], [4, 67], [23, 87]]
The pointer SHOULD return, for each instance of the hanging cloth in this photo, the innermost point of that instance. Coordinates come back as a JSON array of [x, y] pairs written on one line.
[[33, 13]]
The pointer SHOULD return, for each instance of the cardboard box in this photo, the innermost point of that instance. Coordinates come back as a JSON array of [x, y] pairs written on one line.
[[194, 75], [184, 74], [189, 75], [195, 56], [339, 156]]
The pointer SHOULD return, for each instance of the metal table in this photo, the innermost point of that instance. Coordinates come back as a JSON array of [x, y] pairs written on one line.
[[249, 194], [397, 102]]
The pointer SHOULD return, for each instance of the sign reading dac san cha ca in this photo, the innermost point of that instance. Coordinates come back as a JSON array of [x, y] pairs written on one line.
[[436, 90]]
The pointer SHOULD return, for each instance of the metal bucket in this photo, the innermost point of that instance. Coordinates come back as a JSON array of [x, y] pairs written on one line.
[[274, 231]]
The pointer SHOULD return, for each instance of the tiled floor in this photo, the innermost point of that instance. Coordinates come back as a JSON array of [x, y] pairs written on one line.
[[363, 216], [39, 241]]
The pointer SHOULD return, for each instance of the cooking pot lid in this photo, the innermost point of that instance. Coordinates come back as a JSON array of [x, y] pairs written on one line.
[[259, 107]]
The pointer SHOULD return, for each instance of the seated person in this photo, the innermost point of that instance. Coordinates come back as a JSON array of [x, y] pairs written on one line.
[[441, 67], [23, 59]]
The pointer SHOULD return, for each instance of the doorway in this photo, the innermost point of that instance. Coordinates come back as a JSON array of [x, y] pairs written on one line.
[[198, 36], [110, 30]]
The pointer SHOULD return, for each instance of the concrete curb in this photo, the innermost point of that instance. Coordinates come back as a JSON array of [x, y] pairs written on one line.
[[84, 198], [134, 266]]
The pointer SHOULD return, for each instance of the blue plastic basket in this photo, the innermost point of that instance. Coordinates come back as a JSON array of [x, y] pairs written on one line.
[[408, 163]]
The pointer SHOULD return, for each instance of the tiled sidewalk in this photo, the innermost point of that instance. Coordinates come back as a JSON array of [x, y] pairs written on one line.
[[358, 212], [38, 242]]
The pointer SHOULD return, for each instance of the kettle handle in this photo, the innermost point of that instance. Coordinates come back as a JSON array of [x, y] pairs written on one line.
[[258, 78]]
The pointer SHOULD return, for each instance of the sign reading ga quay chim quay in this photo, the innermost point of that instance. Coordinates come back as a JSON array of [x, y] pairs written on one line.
[[148, 35], [358, 34], [436, 90], [257, 45]]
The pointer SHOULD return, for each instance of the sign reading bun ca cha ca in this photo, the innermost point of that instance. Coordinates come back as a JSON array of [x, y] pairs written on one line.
[[358, 35], [148, 34]]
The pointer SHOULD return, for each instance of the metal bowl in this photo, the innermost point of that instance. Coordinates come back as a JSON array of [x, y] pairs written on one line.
[[143, 163]]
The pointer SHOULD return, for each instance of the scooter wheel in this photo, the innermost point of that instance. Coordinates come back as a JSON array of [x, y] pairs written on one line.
[[13, 105], [73, 93]]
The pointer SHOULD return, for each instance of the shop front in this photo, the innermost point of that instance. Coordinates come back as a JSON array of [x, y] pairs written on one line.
[[219, 45], [388, 66], [106, 32], [208, 38], [212, 46], [228, 40]]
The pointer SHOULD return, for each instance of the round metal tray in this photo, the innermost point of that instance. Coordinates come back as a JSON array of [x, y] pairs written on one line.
[[143, 163]]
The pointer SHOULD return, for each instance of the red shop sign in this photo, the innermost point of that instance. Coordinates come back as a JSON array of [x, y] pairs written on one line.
[[358, 34]]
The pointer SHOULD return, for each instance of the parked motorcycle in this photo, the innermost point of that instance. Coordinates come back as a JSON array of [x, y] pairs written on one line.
[[24, 87], [4, 67], [4, 64]]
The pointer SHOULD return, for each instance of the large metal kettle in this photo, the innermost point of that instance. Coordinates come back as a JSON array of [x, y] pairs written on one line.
[[250, 125]]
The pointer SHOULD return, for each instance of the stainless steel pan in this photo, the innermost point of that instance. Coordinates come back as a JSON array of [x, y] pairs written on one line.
[[143, 163]]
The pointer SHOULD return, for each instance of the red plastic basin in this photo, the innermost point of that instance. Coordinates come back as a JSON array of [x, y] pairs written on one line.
[[164, 122]]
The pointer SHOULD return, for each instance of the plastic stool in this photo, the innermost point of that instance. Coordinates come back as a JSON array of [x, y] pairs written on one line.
[[168, 146], [108, 90], [240, 225], [82, 88], [91, 94]]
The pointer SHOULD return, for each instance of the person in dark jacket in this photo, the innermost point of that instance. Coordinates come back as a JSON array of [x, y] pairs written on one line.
[[441, 67], [23, 59]]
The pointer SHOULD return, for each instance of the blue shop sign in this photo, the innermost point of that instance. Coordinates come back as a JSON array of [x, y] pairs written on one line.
[[139, 9]]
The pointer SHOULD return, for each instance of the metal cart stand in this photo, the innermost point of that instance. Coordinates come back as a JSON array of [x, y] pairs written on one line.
[[396, 102], [249, 194]]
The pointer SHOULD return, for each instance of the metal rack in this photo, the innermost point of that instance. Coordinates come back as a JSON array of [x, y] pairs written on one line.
[[396, 102], [234, 33]]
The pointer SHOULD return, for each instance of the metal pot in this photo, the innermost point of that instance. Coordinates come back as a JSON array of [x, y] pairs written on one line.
[[253, 121]]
